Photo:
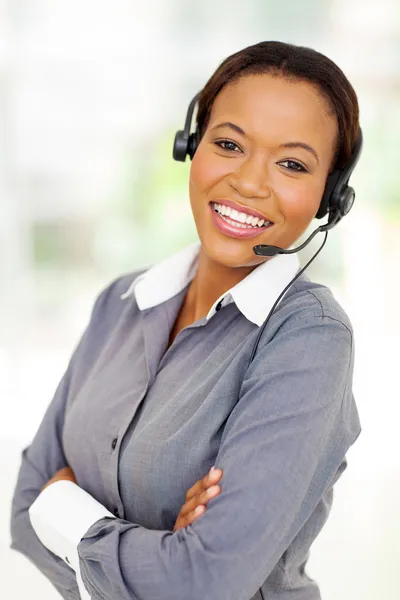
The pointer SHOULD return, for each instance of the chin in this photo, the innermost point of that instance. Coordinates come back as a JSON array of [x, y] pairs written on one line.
[[232, 253]]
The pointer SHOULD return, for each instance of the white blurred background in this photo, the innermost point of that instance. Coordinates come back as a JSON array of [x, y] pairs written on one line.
[[91, 94]]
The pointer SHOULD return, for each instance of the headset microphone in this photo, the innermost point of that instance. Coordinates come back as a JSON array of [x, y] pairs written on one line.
[[263, 250]]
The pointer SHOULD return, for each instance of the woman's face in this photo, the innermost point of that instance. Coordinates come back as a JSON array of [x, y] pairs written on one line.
[[251, 158]]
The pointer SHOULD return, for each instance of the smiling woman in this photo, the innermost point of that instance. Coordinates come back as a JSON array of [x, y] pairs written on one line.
[[186, 364], [268, 142], [264, 168]]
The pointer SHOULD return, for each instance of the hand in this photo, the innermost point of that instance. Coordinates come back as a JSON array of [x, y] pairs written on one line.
[[66, 473], [197, 497]]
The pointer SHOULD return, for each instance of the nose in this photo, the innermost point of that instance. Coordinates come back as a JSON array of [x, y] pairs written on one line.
[[251, 179]]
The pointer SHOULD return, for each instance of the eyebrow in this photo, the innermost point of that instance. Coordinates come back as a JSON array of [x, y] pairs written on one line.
[[301, 145], [287, 145], [231, 125]]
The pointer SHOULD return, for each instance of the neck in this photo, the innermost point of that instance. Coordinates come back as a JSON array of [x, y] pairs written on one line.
[[212, 280]]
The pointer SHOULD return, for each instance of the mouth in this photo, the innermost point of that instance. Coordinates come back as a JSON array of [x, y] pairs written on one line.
[[236, 223], [229, 208]]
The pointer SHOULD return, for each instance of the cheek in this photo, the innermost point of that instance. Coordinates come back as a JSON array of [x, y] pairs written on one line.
[[206, 171], [300, 204]]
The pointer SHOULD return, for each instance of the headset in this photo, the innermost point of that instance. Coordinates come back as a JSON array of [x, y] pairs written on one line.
[[337, 199]]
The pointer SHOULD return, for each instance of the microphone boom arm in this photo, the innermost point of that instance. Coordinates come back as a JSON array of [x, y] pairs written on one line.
[[265, 250]]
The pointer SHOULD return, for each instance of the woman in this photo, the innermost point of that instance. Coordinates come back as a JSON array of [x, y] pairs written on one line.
[[160, 387]]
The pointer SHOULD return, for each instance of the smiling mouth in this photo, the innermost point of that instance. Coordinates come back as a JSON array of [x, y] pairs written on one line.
[[238, 219]]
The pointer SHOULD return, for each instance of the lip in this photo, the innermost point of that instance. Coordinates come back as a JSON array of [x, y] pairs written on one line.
[[240, 208], [235, 232]]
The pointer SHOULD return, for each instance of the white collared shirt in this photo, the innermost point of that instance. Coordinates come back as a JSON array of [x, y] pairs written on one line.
[[254, 295]]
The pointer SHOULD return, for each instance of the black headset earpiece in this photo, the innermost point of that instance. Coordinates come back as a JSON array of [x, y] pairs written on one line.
[[338, 197], [186, 143]]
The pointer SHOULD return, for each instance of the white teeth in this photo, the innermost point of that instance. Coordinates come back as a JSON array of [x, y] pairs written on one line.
[[239, 219]]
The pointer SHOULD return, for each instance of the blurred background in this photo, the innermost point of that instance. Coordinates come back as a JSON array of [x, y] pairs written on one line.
[[91, 94]]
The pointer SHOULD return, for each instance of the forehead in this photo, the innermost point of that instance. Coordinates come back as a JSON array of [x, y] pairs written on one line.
[[269, 106]]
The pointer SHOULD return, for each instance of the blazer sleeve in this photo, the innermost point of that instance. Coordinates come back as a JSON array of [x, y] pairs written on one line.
[[39, 462], [281, 448]]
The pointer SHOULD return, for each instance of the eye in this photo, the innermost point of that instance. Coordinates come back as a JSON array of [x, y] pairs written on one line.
[[227, 145], [293, 165]]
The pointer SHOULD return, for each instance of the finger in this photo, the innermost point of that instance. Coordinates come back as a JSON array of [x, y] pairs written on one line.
[[202, 484], [188, 519], [199, 510], [200, 499]]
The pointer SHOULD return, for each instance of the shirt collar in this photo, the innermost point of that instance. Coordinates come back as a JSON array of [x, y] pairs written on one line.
[[254, 295]]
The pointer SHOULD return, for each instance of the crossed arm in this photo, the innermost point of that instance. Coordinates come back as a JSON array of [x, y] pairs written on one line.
[[278, 459]]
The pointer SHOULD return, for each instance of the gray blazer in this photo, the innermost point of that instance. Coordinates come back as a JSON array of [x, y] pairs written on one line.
[[139, 426]]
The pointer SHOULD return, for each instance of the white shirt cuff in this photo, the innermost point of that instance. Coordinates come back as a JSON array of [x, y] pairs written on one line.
[[61, 515]]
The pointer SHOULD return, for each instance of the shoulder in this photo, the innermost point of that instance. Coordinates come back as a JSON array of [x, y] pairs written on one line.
[[308, 324], [109, 298], [311, 301], [108, 308], [308, 345]]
